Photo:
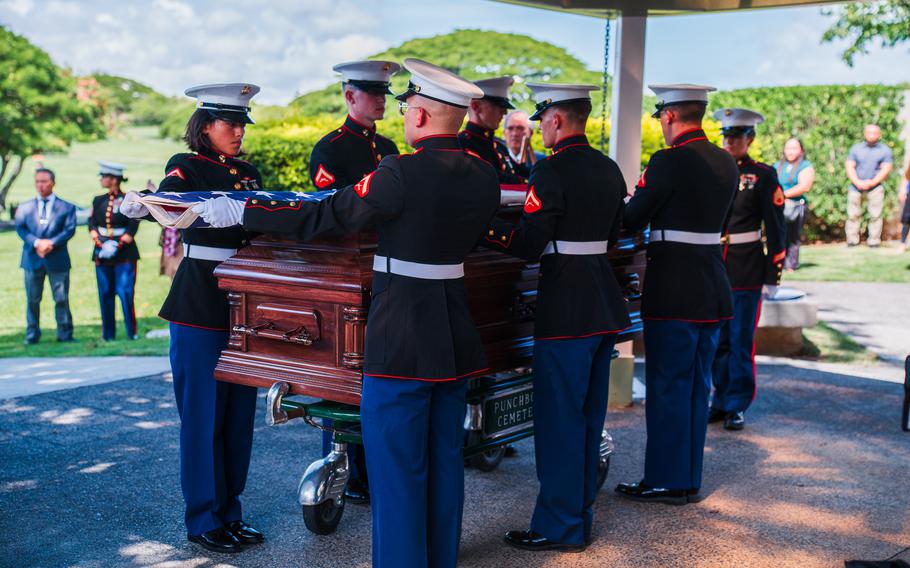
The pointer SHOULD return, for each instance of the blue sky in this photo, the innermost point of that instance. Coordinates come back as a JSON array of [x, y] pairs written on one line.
[[289, 46]]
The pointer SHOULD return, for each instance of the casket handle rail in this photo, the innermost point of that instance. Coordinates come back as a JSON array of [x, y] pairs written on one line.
[[268, 330]]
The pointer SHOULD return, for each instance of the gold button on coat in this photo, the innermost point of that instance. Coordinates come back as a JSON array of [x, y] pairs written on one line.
[[233, 171], [237, 186]]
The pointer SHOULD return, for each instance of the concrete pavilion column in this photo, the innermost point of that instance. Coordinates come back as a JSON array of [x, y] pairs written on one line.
[[625, 149], [628, 85]]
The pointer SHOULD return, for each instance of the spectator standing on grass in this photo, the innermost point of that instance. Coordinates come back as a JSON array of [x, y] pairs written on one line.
[[45, 224], [796, 176], [868, 166], [905, 216]]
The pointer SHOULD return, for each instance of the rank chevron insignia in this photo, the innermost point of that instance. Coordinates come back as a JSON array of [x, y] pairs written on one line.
[[323, 178], [532, 202]]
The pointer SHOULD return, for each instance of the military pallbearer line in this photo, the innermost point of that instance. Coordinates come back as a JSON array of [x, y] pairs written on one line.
[[438, 321]]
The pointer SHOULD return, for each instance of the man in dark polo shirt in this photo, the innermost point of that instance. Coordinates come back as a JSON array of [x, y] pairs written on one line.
[[868, 166]]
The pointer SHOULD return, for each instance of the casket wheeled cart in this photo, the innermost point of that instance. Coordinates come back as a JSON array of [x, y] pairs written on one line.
[[298, 316]]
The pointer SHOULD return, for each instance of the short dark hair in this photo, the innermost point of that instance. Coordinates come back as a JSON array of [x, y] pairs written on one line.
[[47, 171], [195, 137], [576, 112], [690, 112]]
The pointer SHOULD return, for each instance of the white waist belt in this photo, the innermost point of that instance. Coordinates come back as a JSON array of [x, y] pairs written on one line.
[[687, 237], [418, 269], [742, 238], [207, 253], [118, 232], [576, 247]]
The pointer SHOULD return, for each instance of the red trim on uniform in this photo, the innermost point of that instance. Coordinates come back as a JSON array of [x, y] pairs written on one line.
[[499, 242], [696, 139], [362, 188], [513, 187], [475, 154], [778, 198], [355, 133], [426, 379], [684, 132], [569, 146], [478, 136], [641, 180], [323, 177], [779, 257], [434, 136], [585, 335], [177, 173], [746, 289], [533, 204], [341, 133], [206, 158], [689, 320], [354, 120], [193, 325], [294, 207]]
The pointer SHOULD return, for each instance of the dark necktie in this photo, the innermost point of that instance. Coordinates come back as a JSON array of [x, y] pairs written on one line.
[[44, 209]]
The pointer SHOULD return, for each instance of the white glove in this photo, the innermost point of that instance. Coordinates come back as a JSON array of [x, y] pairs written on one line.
[[769, 291], [108, 249], [131, 207], [220, 212]]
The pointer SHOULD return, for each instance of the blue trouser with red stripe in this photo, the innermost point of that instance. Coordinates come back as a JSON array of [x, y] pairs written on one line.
[[734, 364], [216, 429], [413, 432], [117, 280], [571, 385], [678, 359]]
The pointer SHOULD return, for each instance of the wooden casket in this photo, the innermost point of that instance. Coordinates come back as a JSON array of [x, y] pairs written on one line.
[[299, 310]]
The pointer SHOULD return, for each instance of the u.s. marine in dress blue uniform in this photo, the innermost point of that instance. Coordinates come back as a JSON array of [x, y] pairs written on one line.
[[341, 158], [759, 203], [484, 116], [115, 262], [685, 194], [572, 211], [421, 341], [216, 418]]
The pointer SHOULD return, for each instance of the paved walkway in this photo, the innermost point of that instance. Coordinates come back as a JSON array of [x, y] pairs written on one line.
[[876, 315], [89, 478], [23, 376]]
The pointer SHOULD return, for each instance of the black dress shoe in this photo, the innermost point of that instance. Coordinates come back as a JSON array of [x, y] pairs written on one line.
[[357, 492], [643, 492], [217, 540], [735, 421], [530, 540], [244, 533], [715, 415]]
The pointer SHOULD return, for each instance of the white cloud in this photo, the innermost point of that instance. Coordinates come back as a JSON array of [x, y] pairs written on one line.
[[285, 46], [18, 7]]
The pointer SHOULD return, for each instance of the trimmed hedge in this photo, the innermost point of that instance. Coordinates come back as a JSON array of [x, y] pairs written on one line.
[[828, 119]]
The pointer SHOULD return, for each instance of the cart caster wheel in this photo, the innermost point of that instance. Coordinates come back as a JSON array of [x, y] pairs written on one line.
[[603, 468], [323, 518], [487, 461]]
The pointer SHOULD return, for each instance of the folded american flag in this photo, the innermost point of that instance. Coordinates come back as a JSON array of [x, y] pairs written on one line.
[[175, 209]]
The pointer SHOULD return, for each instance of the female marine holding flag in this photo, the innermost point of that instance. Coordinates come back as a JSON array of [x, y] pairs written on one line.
[[216, 431]]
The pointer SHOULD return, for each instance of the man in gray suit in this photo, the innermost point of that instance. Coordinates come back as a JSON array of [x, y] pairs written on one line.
[[45, 224]]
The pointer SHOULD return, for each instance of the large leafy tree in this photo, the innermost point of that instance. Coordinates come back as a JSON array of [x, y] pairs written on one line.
[[473, 54], [864, 23], [40, 110]]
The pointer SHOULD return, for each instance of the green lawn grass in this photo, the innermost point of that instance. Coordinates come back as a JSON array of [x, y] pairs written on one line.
[[824, 343], [77, 181], [837, 263], [139, 148]]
